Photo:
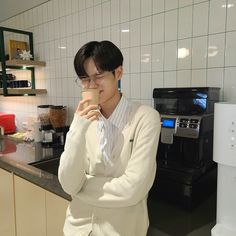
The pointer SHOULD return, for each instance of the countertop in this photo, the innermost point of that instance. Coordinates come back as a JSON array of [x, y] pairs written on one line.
[[17, 157]]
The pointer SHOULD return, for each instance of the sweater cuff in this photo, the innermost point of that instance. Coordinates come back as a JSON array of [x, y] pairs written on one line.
[[79, 125]]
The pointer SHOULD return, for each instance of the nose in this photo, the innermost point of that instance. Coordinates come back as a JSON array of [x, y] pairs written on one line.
[[92, 84]]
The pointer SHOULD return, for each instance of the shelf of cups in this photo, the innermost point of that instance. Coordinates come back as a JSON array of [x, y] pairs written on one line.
[[23, 91]]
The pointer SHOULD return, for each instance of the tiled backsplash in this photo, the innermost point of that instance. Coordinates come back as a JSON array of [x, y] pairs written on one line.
[[166, 43]]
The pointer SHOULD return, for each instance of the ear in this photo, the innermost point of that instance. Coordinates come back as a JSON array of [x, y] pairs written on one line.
[[118, 72]]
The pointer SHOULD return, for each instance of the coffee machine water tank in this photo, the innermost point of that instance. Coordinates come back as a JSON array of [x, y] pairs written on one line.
[[224, 153]]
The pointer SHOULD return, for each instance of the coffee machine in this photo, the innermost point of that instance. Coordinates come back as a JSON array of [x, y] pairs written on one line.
[[186, 172]]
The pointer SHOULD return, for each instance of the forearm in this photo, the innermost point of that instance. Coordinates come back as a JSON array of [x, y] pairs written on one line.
[[134, 184], [71, 172], [115, 192]]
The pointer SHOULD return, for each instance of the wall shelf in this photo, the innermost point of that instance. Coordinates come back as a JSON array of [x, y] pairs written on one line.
[[23, 91], [25, 63], [18, 64]]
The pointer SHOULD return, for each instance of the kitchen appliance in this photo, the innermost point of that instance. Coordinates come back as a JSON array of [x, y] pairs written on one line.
[[46, 129], [53, 124], [58, 118], [7, 121], [224, 153], [185, 169]]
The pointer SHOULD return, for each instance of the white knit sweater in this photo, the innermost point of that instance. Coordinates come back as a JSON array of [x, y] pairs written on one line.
[[110, 200]]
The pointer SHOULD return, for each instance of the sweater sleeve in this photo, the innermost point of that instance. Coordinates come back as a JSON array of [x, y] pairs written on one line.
[[71, 172], [134, 184]]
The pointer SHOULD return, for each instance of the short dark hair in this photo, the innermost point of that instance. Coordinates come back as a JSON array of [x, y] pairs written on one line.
[[106, 55]]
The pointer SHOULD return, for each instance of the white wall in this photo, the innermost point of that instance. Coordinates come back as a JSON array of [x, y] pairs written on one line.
[[11, 8], [170, 43]]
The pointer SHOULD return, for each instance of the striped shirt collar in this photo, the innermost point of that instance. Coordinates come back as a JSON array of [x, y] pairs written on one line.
[[119, 116]]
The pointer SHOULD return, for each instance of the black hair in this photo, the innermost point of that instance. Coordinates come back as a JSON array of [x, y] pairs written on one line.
[[106, 55]]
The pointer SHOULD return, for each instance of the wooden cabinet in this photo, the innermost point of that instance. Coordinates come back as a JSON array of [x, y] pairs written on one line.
[[7, 215], [38, 212], [30, 208], [55, 214]]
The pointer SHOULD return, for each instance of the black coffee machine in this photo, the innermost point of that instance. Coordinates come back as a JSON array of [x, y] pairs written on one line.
[[186, 172]]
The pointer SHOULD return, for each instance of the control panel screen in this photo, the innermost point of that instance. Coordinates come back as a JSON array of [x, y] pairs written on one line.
[[168, 123]]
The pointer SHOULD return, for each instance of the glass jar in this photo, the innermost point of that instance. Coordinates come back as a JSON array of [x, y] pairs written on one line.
[[43, 116], [58, 116]]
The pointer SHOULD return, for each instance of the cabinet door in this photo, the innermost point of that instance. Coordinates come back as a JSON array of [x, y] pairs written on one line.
[[56, 214], [29, 208], [7, 216]]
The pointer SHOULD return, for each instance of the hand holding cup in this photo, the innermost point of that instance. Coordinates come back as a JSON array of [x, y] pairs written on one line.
[[88, 106]]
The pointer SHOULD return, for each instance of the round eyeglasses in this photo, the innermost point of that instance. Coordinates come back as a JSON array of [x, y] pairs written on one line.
[[84, 81]]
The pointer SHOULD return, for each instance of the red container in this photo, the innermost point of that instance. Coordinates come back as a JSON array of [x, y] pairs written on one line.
[[8, 123]]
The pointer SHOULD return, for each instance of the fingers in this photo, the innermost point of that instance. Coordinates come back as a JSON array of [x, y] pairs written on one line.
[[91, 112], [81, 104], [92, 115]]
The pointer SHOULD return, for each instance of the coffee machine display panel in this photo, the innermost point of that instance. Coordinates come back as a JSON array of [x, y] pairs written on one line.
[[168, 122]]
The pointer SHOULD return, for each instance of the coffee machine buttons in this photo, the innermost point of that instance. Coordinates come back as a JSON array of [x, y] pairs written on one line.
[[195, 121], [193, 126], [188, 127], [184, 120], [183, 125]]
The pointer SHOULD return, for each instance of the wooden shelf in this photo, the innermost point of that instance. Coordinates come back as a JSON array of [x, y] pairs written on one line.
[[19, 64], [23, 91], [27, 63]]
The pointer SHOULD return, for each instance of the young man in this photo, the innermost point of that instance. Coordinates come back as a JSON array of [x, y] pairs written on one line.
[[109, 162]]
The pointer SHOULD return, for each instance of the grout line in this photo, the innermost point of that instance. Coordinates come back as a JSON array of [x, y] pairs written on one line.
[[224, 70], [208, 30]]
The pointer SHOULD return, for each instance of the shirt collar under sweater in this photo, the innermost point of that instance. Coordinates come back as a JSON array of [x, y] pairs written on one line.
[[110, 129], [119, 116]]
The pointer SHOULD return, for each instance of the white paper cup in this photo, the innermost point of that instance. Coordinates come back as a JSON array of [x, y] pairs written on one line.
[[91, 94]]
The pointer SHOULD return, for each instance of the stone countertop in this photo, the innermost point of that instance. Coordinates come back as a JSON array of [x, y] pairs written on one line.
[[17, 157]]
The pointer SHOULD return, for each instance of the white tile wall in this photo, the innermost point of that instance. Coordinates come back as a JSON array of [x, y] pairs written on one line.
[[215, 77], [158, 6], [231, 16], [199, 52], [158, 28], [157, 57], [185, 22], [166, 43], [230, 55], [170, 55], [184, 78], [171, 25], [146, 30], [170, 79], [157, 80], [216, 49], [199, 78], [217, 16], [135, 9], [184, 54], [200, 19]]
